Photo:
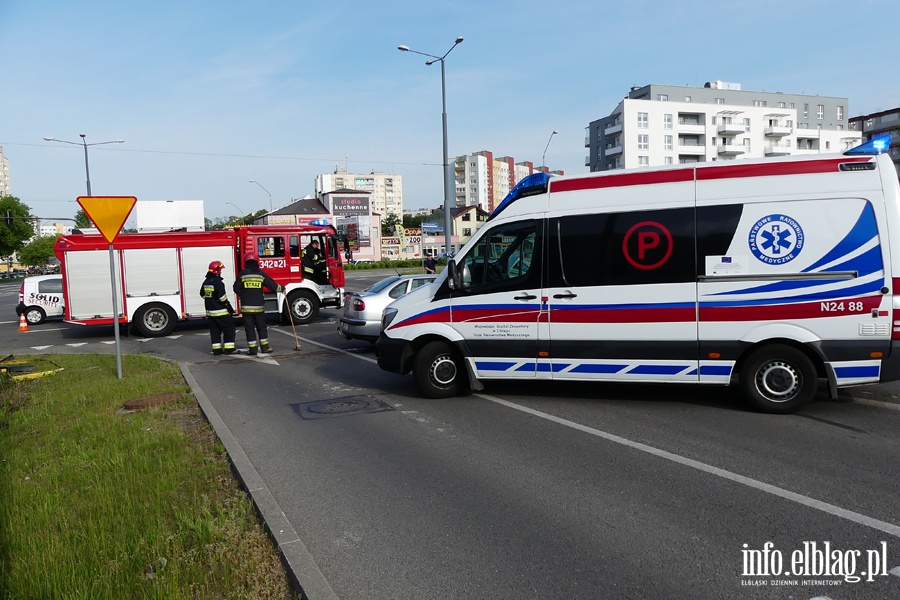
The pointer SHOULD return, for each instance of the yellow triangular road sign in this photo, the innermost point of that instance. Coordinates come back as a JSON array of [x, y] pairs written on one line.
[[108, 213]]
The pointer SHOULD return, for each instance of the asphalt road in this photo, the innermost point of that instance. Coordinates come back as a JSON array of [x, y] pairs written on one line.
[[538, 491]]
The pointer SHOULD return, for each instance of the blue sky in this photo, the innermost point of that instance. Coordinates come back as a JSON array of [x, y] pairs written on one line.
[[211, 94]]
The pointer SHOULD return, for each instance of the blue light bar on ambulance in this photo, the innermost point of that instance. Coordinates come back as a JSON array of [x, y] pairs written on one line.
[[536, 183], [319, 222], [877, 145]]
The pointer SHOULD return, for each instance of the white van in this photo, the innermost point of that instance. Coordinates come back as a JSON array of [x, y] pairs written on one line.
[[41, 297], [770, 272]]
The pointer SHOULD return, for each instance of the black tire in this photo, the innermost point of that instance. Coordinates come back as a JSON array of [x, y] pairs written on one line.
[[304, 307], [778, 379], [154, 320], [34, 315], [438, 371]]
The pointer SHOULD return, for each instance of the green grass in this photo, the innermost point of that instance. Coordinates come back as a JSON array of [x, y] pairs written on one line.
[[99, 504]]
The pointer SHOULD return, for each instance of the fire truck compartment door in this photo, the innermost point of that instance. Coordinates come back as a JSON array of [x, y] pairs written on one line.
[[88, 285], [194, 262], [151, 272]]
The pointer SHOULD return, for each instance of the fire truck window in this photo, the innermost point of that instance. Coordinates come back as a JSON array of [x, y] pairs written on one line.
[[295, 246], [270, 247]]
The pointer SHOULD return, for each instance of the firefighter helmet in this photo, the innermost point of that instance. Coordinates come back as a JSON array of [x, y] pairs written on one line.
[[250, 256], [216, 266]]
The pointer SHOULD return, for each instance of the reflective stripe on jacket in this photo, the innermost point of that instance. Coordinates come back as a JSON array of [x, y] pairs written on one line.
[[249, 288], [214, 297]]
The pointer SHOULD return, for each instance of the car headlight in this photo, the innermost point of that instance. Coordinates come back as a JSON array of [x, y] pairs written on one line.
[[387, 317]]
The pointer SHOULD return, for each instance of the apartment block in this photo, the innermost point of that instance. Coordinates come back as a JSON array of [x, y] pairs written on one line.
[[878, 124], [4, 175], [483, 180], [386, 190], [657, 125]]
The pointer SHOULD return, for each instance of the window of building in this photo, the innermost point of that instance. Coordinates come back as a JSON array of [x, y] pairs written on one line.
[[806, 111], [720, 100], [791, 105], [668, 142], [642, 120], [467, 231], [663, 97], [747, 125], [759, 103], [820, 111], [840, 127], [840, 113], [687, 98], [669, 160], [643, 161], [643, 142], [467, 217], [781, 105], [667, 119]]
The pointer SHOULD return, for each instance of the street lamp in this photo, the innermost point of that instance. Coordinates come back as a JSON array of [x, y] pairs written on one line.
[[544, 156], [87, 171], [448, 189], [265, 190], [240, 212]]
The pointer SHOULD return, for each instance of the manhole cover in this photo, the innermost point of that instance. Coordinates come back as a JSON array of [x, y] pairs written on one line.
[[336, 407]]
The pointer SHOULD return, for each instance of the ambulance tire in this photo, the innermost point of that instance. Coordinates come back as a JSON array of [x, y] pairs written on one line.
[[304, 307], [154, 320], [778, 379], [35, 315], [438, 371]]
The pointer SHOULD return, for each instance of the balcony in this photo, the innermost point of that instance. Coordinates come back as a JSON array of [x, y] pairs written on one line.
[[692, 149], [778, 150], [587, 161], [777, 131], [613, 150], [730, 150], [730, 128], [612, 129], [691, 127]]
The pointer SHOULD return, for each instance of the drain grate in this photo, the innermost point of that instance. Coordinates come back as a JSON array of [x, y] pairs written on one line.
[[336, 407]]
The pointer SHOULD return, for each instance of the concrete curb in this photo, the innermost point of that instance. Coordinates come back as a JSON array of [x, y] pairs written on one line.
[[302, 570]]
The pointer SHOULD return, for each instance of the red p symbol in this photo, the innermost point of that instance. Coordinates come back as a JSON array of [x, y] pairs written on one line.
[[646, 241], [652, 243]]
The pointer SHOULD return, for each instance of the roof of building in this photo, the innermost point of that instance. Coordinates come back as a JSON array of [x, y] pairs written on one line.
[[304, 206]]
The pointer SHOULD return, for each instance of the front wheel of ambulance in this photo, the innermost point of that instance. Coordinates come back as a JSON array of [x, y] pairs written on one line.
[[303, 307], [154, 320], [438, 371], [778, 379]]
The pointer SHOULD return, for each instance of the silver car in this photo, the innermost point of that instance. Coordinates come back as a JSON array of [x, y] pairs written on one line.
[[362, 310]]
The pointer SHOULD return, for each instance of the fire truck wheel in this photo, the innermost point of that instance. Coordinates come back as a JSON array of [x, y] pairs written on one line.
[[35, 315], [154, 320], [778, 379], [303, 305], [437, 371]]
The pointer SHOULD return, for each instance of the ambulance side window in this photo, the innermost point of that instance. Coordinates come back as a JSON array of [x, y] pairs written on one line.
[[628, 248], [505, 258]]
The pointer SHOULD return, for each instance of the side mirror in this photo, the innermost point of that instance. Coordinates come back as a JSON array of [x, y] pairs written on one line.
[[452, 274]]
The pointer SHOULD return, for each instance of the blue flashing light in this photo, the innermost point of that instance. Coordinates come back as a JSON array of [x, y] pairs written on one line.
[[536, 183], [319, 222], [877, 145]]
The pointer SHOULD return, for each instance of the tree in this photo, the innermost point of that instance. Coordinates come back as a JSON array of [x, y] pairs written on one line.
[[82, 221], [389, 224], [38, 251], [13, 236], [413, 222]]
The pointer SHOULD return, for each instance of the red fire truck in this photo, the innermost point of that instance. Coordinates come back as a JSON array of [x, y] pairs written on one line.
[[158, 275]]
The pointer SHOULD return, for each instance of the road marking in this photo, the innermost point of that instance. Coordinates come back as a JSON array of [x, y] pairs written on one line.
[[41, 347], [831, 509], [77, 345]]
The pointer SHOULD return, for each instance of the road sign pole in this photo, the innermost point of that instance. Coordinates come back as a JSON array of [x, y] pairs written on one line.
[[115, 307]]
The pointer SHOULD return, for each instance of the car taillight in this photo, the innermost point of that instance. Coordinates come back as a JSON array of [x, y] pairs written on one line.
[[358, 304]]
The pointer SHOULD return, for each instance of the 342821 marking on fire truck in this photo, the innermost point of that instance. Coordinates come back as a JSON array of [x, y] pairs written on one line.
[[272, 263]]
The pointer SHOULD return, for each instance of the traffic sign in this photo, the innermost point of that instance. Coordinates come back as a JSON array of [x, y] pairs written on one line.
[[108, 213]]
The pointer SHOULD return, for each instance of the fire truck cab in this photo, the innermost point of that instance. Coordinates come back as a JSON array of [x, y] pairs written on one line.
[[158, 275]]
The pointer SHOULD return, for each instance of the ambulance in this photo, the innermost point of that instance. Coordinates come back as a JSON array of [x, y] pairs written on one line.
[[158, 275], [766, 274]]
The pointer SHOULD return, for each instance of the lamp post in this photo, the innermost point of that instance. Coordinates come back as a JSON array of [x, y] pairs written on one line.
[[239, 211], [448, 189], [265, 190], [87, 171], [544, 156]]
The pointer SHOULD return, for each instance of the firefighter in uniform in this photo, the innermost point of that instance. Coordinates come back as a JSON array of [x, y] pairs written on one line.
[[249, 288], [218, 310], [313, 263]]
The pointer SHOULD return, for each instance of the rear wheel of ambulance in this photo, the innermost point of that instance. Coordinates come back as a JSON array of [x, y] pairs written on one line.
[[154, 320], [303, 307], [438, 370], [778, 379]]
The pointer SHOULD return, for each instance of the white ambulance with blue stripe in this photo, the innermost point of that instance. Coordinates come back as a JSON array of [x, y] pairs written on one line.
[[772, 274]]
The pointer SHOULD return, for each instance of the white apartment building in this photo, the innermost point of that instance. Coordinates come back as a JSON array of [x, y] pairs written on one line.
[[55, 230], [659, 125], [386, 190], [484, 181], [4, 175]]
